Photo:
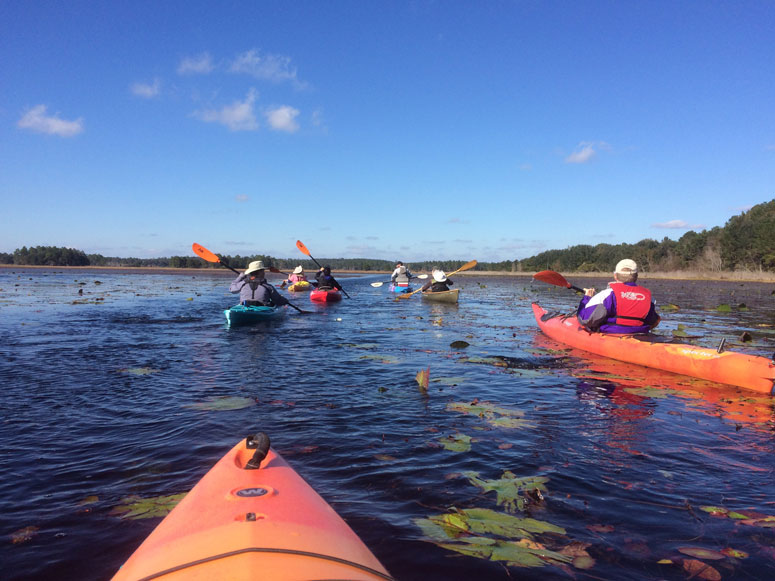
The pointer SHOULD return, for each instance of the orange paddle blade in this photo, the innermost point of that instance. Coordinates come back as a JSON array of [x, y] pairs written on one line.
[[300, 246], [204, 253], [552, 277]]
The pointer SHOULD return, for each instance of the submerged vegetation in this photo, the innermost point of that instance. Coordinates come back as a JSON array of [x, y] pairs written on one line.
[[746, 243]]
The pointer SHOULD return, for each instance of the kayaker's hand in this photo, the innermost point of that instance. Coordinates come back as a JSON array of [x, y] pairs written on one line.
[[589, 292]]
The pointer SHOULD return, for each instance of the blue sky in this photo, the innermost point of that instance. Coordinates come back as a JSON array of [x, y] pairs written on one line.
[[400, 130]]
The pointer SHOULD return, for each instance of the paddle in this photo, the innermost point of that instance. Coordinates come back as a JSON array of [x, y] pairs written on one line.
[[466, 266], [379, 284], [305, 250], [212, 257], [555, 278]]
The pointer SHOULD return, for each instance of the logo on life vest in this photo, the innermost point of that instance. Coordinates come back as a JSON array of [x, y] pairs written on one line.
[[631, 296]]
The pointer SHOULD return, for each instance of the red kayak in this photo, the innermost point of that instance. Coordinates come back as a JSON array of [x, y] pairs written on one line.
[[733, 368], [325, 296]]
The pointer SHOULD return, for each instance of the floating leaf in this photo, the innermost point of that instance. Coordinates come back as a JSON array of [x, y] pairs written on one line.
[[734, 553], [223, 403], [512, 492], [715, 510], [448, 380], [456, 442], [387, 359], [701, 553], [723, 308], [493, 414], [138, 370], [360, 345], [459, 344], [385, 458], [470, 532], [700, 570], [669, 307], [23, 535], [135, 507], [89, 500], [601, 528]]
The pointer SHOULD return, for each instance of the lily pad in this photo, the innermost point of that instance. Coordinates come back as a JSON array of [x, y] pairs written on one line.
[[138, 370], [456, 442], [699, 570], [491, 535], [448, 380], [512, 493], [135, 507], [493, 414], [223, 403], [459, 344], [701, 553], [723, 308]]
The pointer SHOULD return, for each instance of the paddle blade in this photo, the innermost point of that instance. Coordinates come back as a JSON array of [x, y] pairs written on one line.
[[467, 266], [300, 246], [552, 277], [204, 253], [377, 284]]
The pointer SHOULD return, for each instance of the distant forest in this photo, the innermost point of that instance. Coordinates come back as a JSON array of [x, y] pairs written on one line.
[[746, 242]]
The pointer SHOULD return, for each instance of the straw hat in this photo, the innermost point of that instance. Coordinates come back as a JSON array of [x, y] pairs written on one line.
[[298, 270], [254, 266], [439, 276]]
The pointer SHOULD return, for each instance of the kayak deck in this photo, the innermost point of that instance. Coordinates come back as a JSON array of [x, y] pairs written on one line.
[[242, 523], [325, 296], [733, 368]]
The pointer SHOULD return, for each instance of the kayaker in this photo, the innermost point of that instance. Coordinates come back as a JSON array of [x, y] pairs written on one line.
[[325, 280], [296, 276], [401, 274], [624, 307], [253, 289], [438, 282]]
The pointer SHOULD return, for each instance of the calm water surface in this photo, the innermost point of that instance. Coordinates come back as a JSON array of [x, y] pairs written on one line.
[[98, 390]]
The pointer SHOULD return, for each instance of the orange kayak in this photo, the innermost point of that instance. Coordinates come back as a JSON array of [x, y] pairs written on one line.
[[245, 522], [748, 371]]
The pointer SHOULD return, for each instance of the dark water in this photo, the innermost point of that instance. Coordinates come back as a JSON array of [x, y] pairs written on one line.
[[95, 395]]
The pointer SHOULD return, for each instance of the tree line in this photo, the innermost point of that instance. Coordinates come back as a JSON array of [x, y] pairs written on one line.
[[745, 242]]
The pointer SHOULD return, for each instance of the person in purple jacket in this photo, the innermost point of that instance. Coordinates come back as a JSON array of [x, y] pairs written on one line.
[[624, 307]]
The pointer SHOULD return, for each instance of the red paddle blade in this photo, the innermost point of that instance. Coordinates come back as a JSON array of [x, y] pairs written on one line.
[[300, 246], [551, 277], [204, 253]]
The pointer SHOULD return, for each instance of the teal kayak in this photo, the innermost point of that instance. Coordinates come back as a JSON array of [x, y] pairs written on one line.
[[242, 315]]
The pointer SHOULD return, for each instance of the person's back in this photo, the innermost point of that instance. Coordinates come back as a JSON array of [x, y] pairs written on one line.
[[624, 307], [325, 280], [401, 275], [438, 283]]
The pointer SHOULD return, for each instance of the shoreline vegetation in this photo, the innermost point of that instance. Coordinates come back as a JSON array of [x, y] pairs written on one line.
[[736, 276], [743, 250]]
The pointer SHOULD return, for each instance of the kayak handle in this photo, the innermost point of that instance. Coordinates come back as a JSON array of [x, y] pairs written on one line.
[[260, 442]]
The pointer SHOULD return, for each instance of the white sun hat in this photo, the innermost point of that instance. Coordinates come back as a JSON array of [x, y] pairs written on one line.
[[626, 266], [254, 266], [298, 270], [439, 276]]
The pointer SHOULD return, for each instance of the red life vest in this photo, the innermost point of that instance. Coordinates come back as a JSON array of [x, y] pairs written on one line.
[[632, 304]]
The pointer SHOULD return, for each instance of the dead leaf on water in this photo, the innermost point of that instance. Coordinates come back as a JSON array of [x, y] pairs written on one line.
[[422, 378], [23, 535], [700, 570], [701, 553], [456, 442]]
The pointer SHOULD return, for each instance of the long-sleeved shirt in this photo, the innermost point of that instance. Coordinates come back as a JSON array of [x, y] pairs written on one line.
[[598, 313], [256, 291], [401, 275]]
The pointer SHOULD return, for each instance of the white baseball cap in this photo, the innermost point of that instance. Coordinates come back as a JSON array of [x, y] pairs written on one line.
[[626, 266]]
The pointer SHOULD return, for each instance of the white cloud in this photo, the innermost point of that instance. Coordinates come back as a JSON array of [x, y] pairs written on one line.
[[269, 67], [586, 151], [241, 198], [239, 116], [677, 225], [145, 90], [283, 119], [36, 120], [201, 64]]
